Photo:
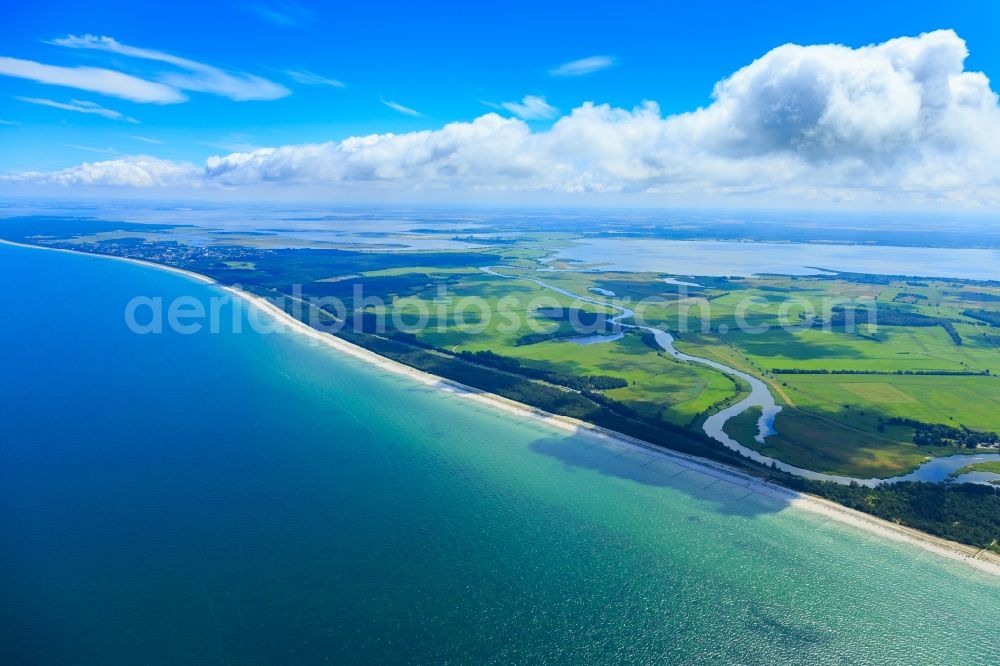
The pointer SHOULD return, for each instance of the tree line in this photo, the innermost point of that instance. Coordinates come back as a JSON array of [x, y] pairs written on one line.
[[939, 434]]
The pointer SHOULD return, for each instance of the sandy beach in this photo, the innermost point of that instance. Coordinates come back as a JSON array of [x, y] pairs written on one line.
[[980, 559]]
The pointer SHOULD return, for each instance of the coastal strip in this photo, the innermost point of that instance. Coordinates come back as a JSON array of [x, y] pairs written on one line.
[[982, 560]]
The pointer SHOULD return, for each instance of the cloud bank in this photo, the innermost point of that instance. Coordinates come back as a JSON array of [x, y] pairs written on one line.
[[902, 120], [139, 171]]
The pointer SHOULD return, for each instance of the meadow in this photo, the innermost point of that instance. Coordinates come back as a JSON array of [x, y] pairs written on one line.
[[478, 315]]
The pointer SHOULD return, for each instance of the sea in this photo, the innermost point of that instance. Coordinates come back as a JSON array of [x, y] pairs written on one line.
[[232, 496]]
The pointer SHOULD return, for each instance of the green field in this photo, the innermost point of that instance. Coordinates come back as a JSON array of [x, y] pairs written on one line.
[[816, 443], [658, 385], [743, 427], [861, 400], [890, 349], [993, 467]]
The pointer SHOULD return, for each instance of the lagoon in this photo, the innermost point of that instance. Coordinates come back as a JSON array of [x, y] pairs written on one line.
[[733, 258]]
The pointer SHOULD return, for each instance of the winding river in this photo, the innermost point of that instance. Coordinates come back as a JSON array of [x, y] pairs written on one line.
[[936, 469]]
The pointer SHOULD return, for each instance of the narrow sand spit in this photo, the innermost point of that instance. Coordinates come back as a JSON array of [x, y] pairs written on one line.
[[983, 560]]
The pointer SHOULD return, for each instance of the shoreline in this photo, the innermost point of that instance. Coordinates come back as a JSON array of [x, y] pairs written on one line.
[[980, 559]]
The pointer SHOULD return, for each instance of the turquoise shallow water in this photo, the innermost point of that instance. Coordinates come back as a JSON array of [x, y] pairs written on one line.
[[244, 498]]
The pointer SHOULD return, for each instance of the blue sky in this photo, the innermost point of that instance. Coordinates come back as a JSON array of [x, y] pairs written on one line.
[[342, 71]]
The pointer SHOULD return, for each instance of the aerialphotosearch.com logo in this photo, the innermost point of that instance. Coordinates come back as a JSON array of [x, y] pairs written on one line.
[[235, 311]]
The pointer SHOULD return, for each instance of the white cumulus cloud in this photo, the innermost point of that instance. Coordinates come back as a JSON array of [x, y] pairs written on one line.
[[135, 171], [897, 121], [488, 150]]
